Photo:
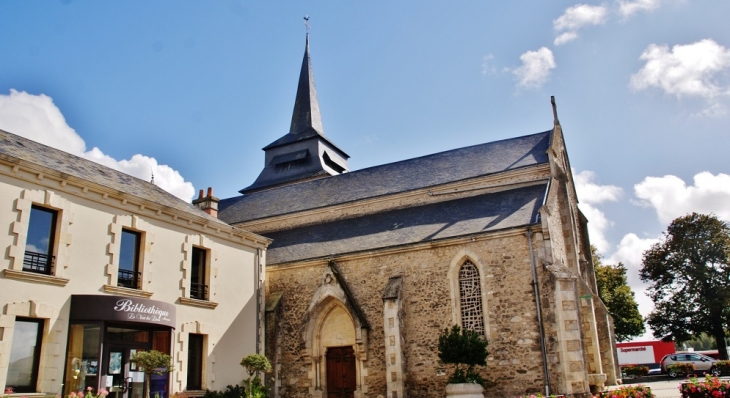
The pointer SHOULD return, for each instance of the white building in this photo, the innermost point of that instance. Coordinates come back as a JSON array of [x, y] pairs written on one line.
[[98, 265]]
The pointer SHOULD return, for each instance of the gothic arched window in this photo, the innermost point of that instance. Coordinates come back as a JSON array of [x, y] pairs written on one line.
[[470, 293]]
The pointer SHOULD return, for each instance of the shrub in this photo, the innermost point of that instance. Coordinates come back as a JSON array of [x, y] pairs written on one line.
[[463, 347], [635, 370], [230, 392], [682, 367], [627, 392], [709, 387]]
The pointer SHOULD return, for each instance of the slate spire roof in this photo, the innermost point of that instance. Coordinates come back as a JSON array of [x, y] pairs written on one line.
[[304, 153], [306, 120]]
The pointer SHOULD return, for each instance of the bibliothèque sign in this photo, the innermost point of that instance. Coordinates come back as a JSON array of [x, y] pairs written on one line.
[[121, 309]]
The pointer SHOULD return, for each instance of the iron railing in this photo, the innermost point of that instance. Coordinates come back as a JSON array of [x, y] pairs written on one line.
[[38, 262], [199, 291], [128, 279]]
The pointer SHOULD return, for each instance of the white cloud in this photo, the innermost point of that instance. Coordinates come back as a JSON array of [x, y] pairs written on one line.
[[671, 197], [580, 15], [629, 8], [691, 69], [591, 194], [535, 69], [565, 38], [36, 117], [575, 18], [630, 252], [487, 67]]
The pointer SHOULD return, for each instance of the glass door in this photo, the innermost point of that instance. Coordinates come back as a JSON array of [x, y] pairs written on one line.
[[123, 379]]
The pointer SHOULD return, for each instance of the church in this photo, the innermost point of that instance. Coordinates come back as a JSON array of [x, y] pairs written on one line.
[[367, 267]]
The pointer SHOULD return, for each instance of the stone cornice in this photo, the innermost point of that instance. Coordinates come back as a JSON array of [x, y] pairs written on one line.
[[198, 303], [369, 254], [61, 182], [473, 186], [34, 277], [125, 291]]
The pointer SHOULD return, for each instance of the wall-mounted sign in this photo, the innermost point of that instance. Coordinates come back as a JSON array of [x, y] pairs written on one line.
[[118, 308]]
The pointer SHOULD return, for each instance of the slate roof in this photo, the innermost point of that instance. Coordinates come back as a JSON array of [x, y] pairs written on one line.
[[14, 147], [437, 221], [423, 172]]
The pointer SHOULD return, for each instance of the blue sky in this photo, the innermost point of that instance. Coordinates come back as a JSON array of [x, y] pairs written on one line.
[[194, 90]]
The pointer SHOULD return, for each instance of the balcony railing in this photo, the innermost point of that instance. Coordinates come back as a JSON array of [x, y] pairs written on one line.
[[199, 291], [38, 262], [129, 279]]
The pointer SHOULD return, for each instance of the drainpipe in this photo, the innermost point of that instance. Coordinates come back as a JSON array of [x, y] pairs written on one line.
[[536, 289], [257, 273]]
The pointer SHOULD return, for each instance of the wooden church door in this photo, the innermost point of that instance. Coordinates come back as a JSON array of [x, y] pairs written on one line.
[[340, 372]]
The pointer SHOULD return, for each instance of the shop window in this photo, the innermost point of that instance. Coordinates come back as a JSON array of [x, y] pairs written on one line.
[[470, 292], [41, 237], [129, 275], [82, 357], [25, 355], [195, 362], [198, 282]]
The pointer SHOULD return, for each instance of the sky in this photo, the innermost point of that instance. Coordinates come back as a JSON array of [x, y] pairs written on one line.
[[191, 91]]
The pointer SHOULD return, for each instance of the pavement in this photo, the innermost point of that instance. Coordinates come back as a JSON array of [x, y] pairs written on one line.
[[661, 386]]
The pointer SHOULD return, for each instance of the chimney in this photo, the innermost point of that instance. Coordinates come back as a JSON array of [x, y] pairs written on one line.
[[208, 203]]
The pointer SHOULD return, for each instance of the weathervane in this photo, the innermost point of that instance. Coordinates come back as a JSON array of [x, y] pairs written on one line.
[[306, 22]]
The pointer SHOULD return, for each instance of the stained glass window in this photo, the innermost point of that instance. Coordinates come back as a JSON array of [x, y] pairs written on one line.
[[470, 292]]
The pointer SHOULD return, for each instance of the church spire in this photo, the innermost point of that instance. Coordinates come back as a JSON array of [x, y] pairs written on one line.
[[304, 153], [306, 114]]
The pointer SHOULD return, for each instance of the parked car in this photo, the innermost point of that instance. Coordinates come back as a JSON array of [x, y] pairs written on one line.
[[701, 362]]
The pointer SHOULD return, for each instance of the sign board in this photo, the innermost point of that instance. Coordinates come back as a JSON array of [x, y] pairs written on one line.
[[119, 308], [636, 355]]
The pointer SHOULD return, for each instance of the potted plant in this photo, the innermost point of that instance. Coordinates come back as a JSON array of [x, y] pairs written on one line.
[[254, 364], [152, 362], [633, 371], [680, 368], [465, 349]]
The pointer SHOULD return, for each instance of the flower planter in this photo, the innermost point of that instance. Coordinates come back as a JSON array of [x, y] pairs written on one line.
[[464, 390]]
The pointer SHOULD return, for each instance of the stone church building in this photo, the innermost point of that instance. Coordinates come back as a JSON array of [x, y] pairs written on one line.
[[367, 267]]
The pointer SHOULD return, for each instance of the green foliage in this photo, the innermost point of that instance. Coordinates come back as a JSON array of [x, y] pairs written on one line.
[[256, 363], [708, 388], [702, 342], [689, 277], [614, 291], [230, 392], [463, 347], [681, 368], [153, 362], [255, 389]]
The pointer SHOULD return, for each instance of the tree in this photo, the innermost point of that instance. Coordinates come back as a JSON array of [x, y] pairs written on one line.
[[614, 290], [254, 364], [689, 273], [152, 362]]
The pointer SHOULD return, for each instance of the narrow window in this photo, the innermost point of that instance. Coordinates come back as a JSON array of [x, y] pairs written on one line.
[[198, 285], [195, 362], [470, 291], [25, 355], [41, 236], [129, 275]]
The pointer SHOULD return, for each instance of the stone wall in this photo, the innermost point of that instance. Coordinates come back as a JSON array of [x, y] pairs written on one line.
[[514, 362]]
